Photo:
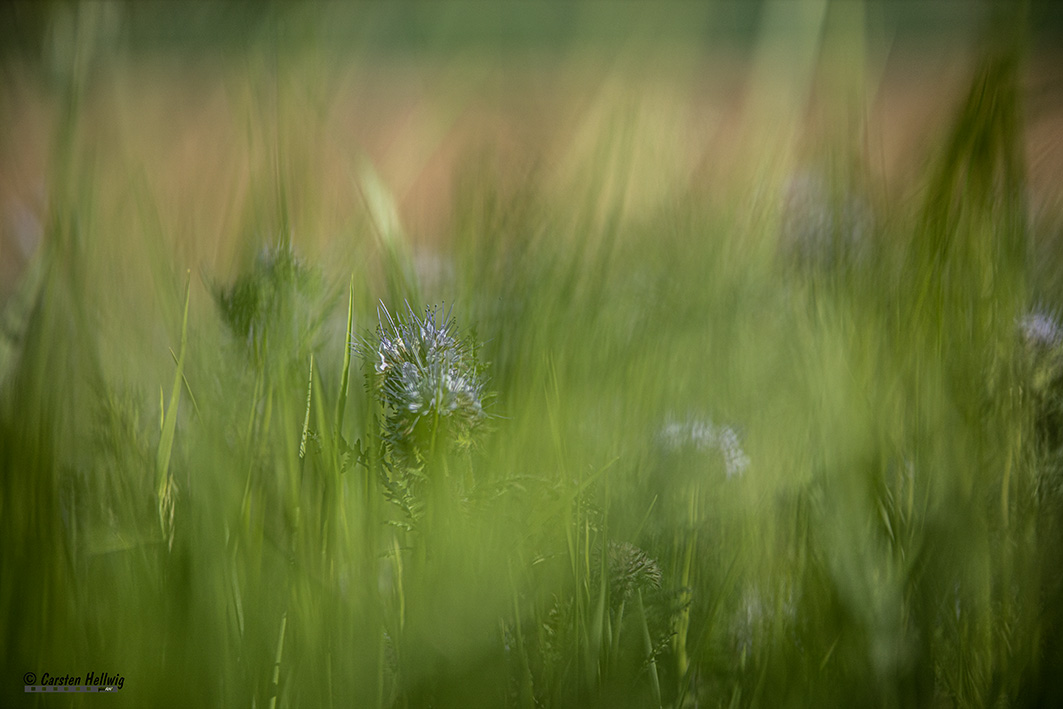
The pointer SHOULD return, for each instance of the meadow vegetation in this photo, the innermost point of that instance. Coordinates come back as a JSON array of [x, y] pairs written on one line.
[[617, 432]]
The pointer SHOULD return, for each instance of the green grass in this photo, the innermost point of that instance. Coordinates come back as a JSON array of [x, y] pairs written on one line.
[[739, 449]]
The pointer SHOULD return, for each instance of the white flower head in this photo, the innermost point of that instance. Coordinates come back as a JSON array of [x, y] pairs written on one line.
[[703, 435]]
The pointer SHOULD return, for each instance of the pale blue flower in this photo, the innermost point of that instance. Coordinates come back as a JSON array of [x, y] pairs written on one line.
[[704, 435], [427, 378]]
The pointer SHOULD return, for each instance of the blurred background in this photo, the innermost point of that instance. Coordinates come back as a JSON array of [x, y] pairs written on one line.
[[202, 102], [765, 297]]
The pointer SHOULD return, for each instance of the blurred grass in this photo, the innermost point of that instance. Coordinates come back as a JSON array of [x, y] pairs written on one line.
[[766, 433]]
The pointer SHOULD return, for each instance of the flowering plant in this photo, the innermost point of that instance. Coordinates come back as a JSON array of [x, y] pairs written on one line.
[[428, 380]]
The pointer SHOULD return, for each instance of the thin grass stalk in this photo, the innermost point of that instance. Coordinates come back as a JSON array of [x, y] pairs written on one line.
[[306, 417], [289, 465], [526, 692], [278, 657], [333, 522], [599, 621], [655, 681]]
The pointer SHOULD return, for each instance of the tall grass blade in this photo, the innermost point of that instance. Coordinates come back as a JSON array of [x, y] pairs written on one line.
[[345, 378], [164, 483]]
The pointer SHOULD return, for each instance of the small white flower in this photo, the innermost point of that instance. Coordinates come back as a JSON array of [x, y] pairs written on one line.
[[703, 435], [735, 459], [1040, 329]]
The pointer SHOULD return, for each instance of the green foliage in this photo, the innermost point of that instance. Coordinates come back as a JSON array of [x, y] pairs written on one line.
[[811, 456], [273, 305]]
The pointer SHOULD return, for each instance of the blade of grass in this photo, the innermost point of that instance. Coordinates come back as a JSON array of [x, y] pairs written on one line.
[[188, 388], [163, 479], [345, 379]]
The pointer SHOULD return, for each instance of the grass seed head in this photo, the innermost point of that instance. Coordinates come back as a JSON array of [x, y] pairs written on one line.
[[631, 569]]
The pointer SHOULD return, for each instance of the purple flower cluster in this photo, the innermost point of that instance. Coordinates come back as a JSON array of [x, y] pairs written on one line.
[[428, 380]]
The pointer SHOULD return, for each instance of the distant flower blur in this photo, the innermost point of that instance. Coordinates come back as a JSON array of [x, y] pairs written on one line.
[[1040, 329], [820, 228], [704, 435], [1042, 338], [271, 305]]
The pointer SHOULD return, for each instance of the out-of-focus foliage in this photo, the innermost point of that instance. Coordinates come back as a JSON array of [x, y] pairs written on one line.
[[785, 436]]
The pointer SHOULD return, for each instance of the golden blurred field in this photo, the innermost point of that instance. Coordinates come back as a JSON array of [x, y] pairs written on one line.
[[205, 136]]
